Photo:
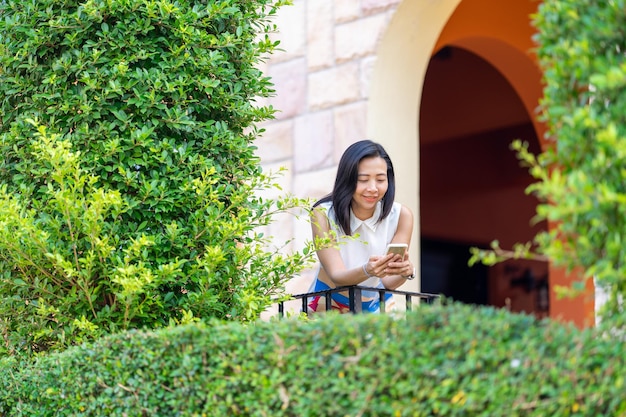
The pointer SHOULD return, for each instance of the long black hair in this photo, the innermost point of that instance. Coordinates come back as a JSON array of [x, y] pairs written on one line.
[[346, 180]]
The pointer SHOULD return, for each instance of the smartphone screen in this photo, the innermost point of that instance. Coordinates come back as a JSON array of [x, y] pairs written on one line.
[[397, 248]]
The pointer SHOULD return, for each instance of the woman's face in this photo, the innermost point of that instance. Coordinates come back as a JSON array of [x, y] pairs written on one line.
[[371, 186]]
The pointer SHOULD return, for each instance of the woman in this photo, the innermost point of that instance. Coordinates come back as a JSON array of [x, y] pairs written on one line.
[[361, 219]]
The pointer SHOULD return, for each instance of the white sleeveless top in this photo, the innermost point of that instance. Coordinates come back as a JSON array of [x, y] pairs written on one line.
[[369, 237]]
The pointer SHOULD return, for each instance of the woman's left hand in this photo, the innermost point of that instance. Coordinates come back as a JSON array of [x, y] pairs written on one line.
[[397, 266]]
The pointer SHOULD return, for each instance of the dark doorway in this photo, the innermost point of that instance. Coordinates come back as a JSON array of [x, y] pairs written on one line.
[[472, 186], [444, 270]]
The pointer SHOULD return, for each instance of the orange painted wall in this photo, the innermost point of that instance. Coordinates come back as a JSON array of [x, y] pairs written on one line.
[[493, 30]]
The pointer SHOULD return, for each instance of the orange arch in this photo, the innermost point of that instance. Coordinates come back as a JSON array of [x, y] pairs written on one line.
[[499, 32], [484, 28]]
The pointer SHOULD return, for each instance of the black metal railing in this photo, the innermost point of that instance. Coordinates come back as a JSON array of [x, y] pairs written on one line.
[[355, 298]]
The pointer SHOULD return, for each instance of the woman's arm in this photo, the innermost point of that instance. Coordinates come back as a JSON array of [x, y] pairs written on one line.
[[396, 271]]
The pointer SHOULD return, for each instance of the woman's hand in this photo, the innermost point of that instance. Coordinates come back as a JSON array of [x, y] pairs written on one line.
[[387, 265], [393, 269], [397, 266]]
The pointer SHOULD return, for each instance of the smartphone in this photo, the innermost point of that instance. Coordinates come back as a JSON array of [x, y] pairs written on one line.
[[397, 248]]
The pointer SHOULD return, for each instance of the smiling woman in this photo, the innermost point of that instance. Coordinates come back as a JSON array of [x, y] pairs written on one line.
[[371, 184], [361, 217]]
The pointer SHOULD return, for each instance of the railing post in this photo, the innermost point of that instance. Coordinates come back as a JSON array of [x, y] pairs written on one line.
[[408, 302], [356, 300], [305, 305], [329, 300], [281, 309]]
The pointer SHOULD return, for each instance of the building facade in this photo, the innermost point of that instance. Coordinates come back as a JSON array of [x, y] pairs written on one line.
[[445, 86]]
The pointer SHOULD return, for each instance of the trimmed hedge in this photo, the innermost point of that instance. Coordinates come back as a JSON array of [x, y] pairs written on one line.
[[452, 360]]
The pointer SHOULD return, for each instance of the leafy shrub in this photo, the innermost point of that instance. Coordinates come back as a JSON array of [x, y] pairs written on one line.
[[581, 50], [129, 190], [452, 360]]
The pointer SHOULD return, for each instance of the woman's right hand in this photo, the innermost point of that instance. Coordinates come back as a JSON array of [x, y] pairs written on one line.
[[378, 265]]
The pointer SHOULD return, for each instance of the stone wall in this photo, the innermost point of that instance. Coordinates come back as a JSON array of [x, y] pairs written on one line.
[[322, 84]]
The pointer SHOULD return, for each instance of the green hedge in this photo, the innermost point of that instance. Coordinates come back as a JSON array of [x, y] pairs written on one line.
[[131, 194], [451, 360]]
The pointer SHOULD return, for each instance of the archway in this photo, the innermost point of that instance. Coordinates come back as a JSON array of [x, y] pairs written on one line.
[[472, 186], [497, 33]]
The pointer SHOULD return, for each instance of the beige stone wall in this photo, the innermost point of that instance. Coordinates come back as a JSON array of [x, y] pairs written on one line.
[[322, 81]]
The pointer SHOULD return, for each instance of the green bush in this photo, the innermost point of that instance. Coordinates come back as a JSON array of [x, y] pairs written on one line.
[[451, 360], [581, 177], [129, 187]]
